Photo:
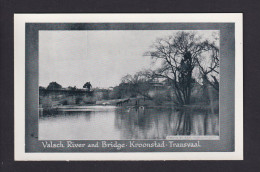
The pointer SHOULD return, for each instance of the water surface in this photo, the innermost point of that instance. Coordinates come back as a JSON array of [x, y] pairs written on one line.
[[112, 123]]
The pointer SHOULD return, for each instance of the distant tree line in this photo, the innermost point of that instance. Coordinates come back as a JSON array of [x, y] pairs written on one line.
[[56, 86]]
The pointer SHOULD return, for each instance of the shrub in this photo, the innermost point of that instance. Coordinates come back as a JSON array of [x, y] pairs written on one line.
[[64, 102]]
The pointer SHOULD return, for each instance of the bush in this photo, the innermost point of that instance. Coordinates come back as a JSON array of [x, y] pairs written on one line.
[[161, 97], [64, 102], [78, 100]]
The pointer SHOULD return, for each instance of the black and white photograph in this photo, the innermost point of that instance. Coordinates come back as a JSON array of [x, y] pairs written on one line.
[[128, 86], [136, 85]]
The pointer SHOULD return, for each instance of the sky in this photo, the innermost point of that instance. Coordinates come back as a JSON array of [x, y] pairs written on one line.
[[72, 58]]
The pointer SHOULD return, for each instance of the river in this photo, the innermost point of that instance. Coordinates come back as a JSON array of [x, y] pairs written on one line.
[[115, 123]]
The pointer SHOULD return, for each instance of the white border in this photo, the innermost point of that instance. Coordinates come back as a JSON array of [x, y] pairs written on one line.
[[19, 83]]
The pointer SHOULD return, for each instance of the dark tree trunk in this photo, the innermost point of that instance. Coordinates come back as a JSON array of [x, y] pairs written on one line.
[[185, 78]]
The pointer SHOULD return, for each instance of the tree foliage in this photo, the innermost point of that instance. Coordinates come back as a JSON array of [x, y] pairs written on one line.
[[54, 86], [180, 56], [134, 85], [87, 85], [72, 88], [139, 83]]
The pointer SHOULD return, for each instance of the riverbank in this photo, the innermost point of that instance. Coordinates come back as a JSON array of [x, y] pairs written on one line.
[[153, 104]]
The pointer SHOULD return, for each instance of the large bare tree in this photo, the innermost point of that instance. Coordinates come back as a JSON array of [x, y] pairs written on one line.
[[208, 65], [179, 55]]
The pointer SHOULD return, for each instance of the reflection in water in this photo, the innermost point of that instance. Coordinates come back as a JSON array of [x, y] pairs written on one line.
[[127, 123], [157, 123]]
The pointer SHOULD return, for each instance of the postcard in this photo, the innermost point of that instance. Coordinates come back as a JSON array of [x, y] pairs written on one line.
[[128, 86]]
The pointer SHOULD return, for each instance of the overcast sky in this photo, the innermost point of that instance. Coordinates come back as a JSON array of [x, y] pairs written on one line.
[[71, 58]]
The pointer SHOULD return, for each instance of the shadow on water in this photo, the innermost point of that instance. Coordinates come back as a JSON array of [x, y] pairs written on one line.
[[159, 123]]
